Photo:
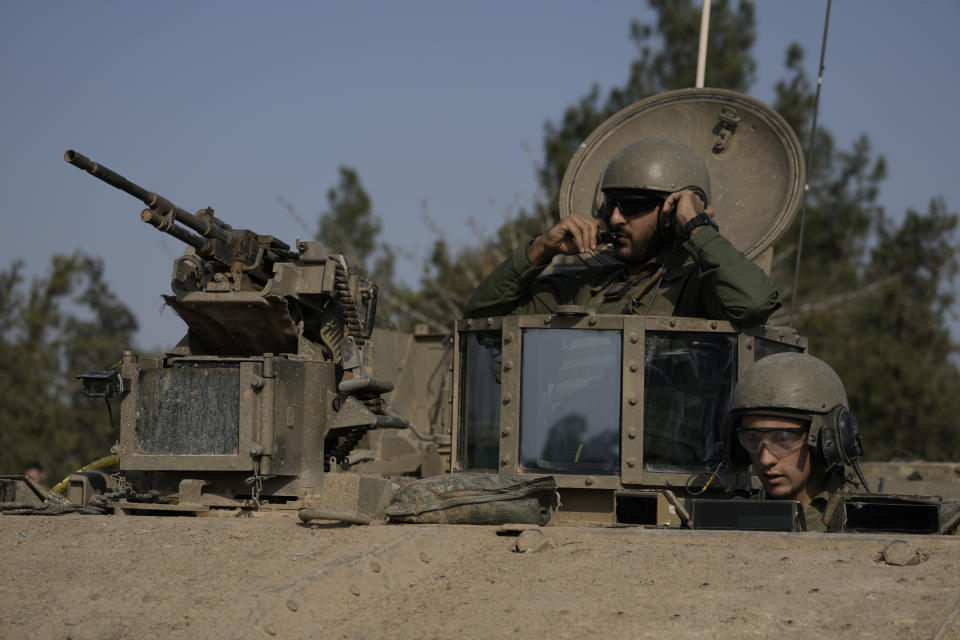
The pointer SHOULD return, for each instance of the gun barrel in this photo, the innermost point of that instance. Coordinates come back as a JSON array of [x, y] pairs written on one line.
[[205, 227], [153, 218], [112, 178]]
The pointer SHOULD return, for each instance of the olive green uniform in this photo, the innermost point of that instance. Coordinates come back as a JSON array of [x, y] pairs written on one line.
[[815, 512], [705, 277]]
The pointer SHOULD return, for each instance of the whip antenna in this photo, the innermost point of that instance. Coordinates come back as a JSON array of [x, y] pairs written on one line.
[[702, 52], [806, 187]]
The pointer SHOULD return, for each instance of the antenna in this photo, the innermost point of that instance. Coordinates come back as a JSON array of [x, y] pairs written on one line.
[[704, 33], [806, 187]]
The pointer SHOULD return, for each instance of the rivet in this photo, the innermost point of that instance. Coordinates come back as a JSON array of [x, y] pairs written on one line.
[[634, 367], [506, 399], [505, 433], [507, 339], [548, 320], [489, 322], [714, 324], [469, 323], [592, 320], [507, 365], [632, 434], [632, 399], [588, 481], [634, 338], [673, 322], [631, 462]]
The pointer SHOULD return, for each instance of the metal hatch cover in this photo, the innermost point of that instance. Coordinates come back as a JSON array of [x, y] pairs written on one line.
[[756, 164]]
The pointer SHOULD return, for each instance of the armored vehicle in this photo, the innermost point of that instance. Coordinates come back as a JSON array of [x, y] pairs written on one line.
[[268, 393], [625, 411], [273, 392], [272, 389]]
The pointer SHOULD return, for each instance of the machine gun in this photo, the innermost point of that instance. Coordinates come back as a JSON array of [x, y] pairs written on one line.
[[281, 299], [247, 257], [273, 384]]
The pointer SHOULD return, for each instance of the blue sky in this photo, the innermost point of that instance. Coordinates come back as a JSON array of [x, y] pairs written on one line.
[[436, 104]]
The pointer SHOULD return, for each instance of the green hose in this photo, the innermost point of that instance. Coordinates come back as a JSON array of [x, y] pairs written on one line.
[[102, 463]]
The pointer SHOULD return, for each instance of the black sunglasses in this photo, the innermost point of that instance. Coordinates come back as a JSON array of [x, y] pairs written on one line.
[[630, 204]]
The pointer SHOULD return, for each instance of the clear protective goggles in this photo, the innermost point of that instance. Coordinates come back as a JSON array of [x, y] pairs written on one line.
[[779, 442]]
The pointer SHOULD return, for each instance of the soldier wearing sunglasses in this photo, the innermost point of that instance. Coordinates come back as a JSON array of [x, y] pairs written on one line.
[[665, 254], [790, 420]]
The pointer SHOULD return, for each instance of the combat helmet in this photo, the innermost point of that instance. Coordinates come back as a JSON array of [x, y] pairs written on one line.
[[798, 386], [662, 166]]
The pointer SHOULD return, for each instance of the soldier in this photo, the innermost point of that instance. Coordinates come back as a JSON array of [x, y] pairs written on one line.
[[790, 419], [669, 257], [37, 473]]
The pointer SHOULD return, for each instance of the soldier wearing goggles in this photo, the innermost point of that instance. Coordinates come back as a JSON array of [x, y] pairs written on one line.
[[789, 419]]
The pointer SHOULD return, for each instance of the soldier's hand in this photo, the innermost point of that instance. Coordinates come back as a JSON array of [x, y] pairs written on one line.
[[687, 205], [572, 235]]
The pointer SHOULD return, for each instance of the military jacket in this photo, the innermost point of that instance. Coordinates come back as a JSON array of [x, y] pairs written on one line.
[[705, 277], [816, 515]]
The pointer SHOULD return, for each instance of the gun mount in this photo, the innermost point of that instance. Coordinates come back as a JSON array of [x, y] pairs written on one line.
[[274, 382]]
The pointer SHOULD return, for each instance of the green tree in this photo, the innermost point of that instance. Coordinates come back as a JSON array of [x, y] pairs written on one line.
[[50, 330], [904, 360], [348, 226], [873, 295]]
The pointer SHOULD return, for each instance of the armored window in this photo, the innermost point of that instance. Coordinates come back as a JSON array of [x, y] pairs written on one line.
[[688, 381], [188, 411], [570, 401], [481, 407]]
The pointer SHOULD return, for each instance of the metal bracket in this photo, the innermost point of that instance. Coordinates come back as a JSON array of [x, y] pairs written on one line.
[[191, 490], [725, 128]]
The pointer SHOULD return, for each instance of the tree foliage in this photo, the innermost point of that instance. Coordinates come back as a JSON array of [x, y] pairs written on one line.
[[51, 329], [349, 223], [349, 226], [874, 291]]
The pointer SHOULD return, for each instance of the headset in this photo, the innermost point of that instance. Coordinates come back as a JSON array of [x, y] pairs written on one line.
[[836, 436], [667, 221]]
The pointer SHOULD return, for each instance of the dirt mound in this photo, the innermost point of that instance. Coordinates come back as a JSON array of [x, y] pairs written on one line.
[[106, 577]]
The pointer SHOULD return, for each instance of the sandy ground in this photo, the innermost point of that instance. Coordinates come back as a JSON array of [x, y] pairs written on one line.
[[107, 577]]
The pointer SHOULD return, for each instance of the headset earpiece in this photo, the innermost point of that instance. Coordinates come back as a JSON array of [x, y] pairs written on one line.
[[665, 224], [667, 221], [849, 433], [840, 442]]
